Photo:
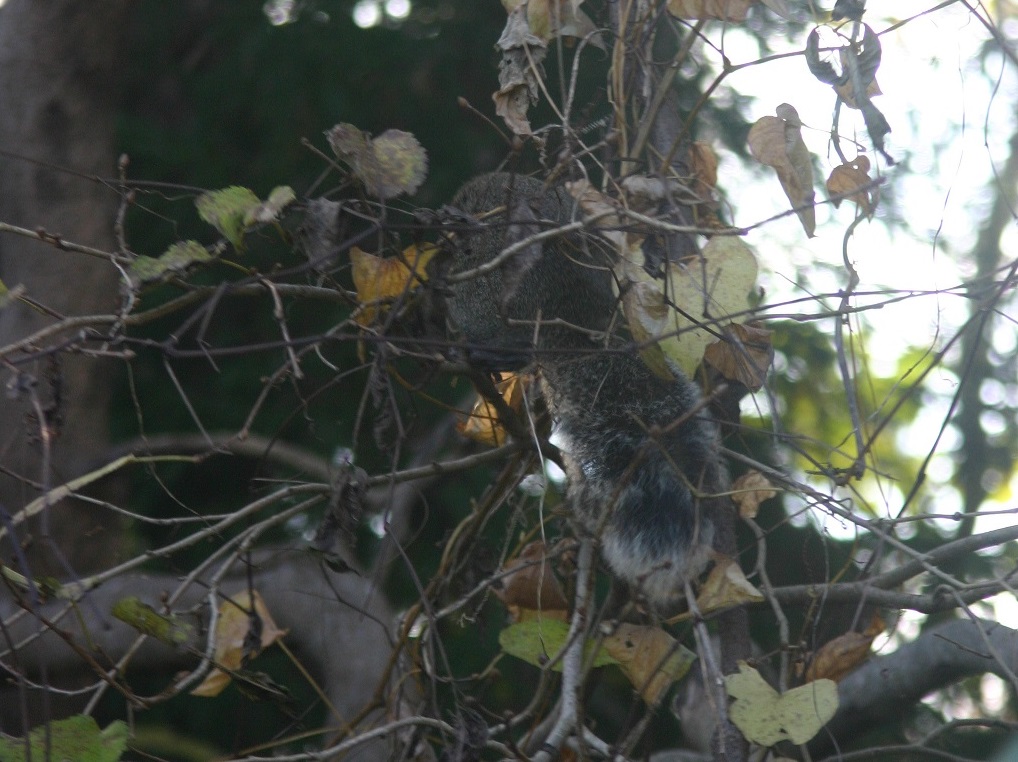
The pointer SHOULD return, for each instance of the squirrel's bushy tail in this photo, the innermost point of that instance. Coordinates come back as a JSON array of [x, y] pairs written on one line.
[[641, 452]]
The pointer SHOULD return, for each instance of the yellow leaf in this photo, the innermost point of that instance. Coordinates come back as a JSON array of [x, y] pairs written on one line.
[[649, 657], [850, 181], [767, 717], [777, 142], [231, 648], [377, 279], [705, 289], [213, 684], [482, 425]]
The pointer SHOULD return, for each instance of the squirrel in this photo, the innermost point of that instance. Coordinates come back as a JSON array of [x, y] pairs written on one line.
[[641, 453]]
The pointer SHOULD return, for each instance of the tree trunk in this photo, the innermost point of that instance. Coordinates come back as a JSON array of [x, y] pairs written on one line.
[[57, 86]]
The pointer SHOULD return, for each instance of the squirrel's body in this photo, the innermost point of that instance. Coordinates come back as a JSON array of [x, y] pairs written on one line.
[[641, 453], [574, 289]]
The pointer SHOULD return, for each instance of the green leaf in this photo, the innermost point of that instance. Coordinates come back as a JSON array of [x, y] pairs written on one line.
[[714, 290], [226, 210], [176, 259], [76, 738], [145, 619], [766, 717], [538, 641]]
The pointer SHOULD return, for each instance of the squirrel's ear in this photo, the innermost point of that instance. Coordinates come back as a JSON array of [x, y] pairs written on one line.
[[520, 232]]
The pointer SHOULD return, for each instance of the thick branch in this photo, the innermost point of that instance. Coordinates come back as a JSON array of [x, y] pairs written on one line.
[[885, 688], [338, 625]]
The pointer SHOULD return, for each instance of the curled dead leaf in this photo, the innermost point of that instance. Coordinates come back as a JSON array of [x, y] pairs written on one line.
[[233, 646], [749, 490], [777, 142], [841, 655], [703, 163], [860, 60], [852, 181], [519, 71], [726, 586], [744, 354]]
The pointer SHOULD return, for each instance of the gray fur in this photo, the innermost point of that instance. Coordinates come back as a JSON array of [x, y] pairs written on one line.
[[641, 455]]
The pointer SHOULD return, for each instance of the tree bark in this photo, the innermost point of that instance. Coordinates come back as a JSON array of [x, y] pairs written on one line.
[[339, 626], [58, 63], [885, 688]]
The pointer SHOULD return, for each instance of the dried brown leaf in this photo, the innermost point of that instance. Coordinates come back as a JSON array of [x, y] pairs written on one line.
[[777, 142], [726, 586], [840, 656], [749, 490], [852, 181], [744, 354], [703, 163], [649, 657], [530, 583], [847, 93], [522, 54], [232, 645]]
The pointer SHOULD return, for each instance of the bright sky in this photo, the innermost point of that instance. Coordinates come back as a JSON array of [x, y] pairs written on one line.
[[951, 122]]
